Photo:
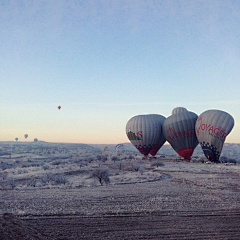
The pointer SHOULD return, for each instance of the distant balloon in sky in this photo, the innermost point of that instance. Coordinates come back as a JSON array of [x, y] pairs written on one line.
[[178, 110], [59, 107], [212, 128], [119, 148], [144, 132], [35, 140], [161, 138], [16, 139], [104, 148], [25, 135], [179, 131]]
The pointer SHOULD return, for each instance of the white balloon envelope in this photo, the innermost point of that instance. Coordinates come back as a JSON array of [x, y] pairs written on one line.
[[179, 131], [212, 128], [144, 132], [178, 110], [161, 139]]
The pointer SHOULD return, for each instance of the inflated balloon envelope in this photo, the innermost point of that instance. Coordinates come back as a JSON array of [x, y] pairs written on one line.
[[160, 139], [144, 132], [119, 147], [104, 148], [178, 110], [179, 131], [212, 128]]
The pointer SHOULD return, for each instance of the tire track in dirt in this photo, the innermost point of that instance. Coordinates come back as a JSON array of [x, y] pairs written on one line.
[[157, 225]]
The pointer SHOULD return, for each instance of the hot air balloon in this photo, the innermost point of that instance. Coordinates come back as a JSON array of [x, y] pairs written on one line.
[[144, 132], [212, 128], [25, 135], [16, 139], [179, 131], [161, 139], [59, 107], [178, 110], [104, 148], [119, 148]]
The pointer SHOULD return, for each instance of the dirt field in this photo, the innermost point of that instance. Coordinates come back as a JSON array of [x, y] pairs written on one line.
[[185, 204]]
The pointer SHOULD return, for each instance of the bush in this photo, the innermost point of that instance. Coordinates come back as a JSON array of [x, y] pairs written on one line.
[[47, 178], [32, 181], [157, 164], [231, 160], [46, 167], [131, 157], [12, 183], [83, 164], [102, 174], [223, 159], [59, 162], [102, 158], [141, 169], [120, 165], [114, 158], [57, 179], [135, 167], [5, 166], [3, 176], [60, 179]]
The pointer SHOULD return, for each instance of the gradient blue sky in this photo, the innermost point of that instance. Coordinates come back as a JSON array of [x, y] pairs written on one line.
[[106, 61]]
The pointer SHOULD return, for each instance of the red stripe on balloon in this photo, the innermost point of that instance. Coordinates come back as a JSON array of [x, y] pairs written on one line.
[[186, 153], [144, 149]]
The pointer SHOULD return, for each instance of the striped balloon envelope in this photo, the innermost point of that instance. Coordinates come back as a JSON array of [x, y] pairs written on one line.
[[179, 131], [104, 148], [212, 128], [178, 110], [119, 148], [161, 139], [144, 132]]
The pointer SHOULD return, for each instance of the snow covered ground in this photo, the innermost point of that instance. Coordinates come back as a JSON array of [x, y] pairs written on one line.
[[40, 167], [57, 182]]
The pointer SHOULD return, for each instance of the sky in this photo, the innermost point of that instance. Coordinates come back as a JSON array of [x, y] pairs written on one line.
[[106, 61]]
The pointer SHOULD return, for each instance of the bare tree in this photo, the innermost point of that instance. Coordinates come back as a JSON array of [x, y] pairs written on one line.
[[102, 174]]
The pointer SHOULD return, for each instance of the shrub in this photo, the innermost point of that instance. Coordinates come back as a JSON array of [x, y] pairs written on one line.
[[57, 179], [60, 179], [102, 174], [32, 181], [114, 158], [231, 160], [120, 165], [83, 164], [223, 159], [47, 178], [5, 166], [3, 176], [157, 164], [46, 167], [131, 157], [124, 157], [141, 169], [102, 158], [12, 183], [135, 167]]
